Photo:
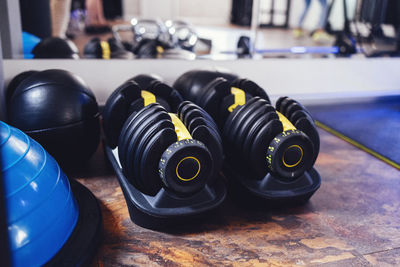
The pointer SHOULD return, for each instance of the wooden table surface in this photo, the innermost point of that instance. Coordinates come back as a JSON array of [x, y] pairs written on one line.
[[352, 220]]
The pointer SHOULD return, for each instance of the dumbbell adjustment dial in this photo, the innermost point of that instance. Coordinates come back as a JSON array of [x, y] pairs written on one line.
[[290, 154], [186, 166]]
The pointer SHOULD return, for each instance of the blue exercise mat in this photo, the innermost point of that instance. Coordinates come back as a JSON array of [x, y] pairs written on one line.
[[373, 126]]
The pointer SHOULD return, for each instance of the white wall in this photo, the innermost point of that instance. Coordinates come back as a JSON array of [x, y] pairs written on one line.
[[214, 12], [304, 79]]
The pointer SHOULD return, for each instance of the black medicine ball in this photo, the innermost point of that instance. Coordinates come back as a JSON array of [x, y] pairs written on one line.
[[56, 108], [55, 47]]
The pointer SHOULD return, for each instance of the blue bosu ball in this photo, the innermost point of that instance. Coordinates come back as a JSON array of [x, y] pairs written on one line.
[[42, 211]]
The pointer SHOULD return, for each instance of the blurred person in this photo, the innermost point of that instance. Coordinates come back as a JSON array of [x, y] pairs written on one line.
[[60, 13], [95, 20], [319, 35]]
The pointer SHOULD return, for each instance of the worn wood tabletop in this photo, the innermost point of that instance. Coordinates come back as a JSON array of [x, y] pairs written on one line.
[[352, 220]]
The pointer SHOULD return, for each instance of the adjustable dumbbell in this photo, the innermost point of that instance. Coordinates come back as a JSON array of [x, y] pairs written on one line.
[[282, 141], [112, 48], [162, 142]]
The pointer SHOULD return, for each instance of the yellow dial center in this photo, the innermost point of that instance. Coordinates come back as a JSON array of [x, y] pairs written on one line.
[[292, 156], [188, 168]]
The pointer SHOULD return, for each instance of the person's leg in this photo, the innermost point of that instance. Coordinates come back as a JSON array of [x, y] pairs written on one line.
[[324, 14], [60, 13], [298, 32], [307, 4], [95, 14], [320, 36], [95, 23]]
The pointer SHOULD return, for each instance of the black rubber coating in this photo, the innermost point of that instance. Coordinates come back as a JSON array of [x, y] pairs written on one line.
[[138, 129], [260, 146], [232, 116], [293, 108], [244, 129], [210, 139], [298, 115], [196, 122], [212, 102], [209, 89], [116, 109], [143, 141], [213, 90], [129, 127], [16, 81], [181, 106], [260, 122], [285, 104], [241, 133], [279, 103], [59, 110], [189, 107], [192, 82], [251, 88], [151, 157], [307, 126], [241, 116]]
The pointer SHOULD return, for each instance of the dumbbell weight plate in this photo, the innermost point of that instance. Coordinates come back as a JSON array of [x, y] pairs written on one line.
[[196, 122], [232, 116], [181, 106], [151, 157], [299, 114], [251, 88], [129, 127], [202, 121], [295, 106], [221, 88], [260, 122], [116, 109], [132, 117], [191, 107], [285, 104], [241, 116], [259, 147], [142, 126], [196, 113], [207, 137], [137, 153], [306, 125], [279, 103], [248, 121]]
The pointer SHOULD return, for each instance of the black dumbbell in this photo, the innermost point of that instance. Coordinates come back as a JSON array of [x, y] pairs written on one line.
[[112, 48], [256, 136], [162, 141]]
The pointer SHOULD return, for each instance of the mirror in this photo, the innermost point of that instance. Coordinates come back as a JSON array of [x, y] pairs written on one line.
[[207, 29]]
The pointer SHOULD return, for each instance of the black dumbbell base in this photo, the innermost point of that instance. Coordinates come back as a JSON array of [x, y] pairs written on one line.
[[165, 209], [270, 191]]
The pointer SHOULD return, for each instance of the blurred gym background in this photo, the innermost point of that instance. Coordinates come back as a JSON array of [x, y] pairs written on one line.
[[224, 29]]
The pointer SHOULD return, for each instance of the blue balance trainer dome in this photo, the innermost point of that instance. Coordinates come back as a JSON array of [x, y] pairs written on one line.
[[45, 213]]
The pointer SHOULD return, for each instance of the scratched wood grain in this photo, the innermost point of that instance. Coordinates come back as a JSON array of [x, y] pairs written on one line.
[[352, 220]]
